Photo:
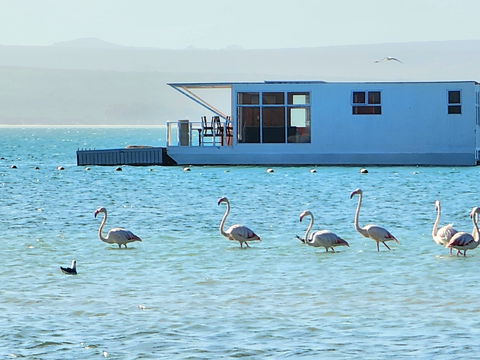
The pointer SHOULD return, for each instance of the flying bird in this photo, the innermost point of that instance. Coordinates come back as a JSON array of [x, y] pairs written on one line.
[[465, 241], [70, 270], [388, 58], [236, 232], [321, 238], [443, 235], [119, 236], [374, 232]]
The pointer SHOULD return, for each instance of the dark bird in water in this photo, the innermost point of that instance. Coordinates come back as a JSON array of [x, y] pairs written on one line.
[[70, 270]]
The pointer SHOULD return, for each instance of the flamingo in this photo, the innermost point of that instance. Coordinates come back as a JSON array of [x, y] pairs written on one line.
[[71, 270], [465, 241], [320, 238], [443, 235], [374, 232], [237, 232], [118, 236]]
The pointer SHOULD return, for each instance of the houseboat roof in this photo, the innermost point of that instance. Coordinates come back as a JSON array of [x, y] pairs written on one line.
[[226, 85]]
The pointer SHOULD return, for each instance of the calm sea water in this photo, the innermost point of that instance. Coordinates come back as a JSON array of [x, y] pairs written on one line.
[[186, 292]]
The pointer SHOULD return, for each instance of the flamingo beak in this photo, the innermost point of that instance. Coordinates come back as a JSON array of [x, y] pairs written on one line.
[[96, 213]]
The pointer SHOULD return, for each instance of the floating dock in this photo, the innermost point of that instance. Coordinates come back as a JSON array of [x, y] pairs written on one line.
[[131, 155]]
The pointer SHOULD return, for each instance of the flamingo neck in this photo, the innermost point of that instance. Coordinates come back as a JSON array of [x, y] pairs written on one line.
[[437, 221], [357, 215], [309, 228], [100, 230], [476, 232], [222, 223]]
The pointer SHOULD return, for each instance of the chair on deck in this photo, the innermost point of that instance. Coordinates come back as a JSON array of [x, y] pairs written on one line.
[[207, 130], [229, 131], [218, 128]]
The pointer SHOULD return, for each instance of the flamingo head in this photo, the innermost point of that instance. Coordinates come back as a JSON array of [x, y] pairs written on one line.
[[100, 210], [475, 210], [305, 213], [222, 199], [356, 192]]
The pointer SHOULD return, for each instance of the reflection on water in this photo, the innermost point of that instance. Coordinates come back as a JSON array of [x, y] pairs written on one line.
[[187, 292]]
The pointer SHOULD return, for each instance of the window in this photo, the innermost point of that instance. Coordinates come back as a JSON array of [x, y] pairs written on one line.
[[266, 118], [273, 121], [273, 117], [298, 125], [366, 103], [454, 102], [249, 124], [246, 98]]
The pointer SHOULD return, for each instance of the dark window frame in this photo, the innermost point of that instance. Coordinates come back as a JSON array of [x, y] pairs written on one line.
[[366, 102], [454, 102], [273, 100]]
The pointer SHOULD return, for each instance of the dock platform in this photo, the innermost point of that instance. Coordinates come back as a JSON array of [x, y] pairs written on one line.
[[131, 155]]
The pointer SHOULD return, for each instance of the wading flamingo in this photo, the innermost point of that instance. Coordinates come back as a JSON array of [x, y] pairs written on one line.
[[236, 232], [117, 236], [321, 238], [70, 270], [374, 232], [465, 241], [443, 235]]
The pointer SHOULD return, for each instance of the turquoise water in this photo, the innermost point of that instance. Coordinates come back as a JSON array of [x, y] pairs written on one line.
[[186, 292]]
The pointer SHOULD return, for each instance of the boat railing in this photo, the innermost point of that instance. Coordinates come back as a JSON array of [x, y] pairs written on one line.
[[195, 133]]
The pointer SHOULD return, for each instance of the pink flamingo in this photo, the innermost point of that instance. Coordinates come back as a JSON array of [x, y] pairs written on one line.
[[118, 236], [321, 238], [374, 232], [237, 232], [443, 235], [465, 241]]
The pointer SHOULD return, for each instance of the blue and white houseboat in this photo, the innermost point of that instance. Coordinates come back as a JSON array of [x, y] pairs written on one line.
[[332, 123]]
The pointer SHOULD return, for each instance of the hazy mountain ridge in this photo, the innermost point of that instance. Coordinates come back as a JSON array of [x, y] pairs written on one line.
[[82, 83]]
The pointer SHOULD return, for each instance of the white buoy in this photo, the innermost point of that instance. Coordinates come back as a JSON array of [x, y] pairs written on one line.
[[186, 168], [363, 171], [313, 170], [270, 170], [118, 169], [60, 168]]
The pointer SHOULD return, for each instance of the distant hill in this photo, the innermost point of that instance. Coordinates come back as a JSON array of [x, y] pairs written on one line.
[[87, 43], [88, 81]]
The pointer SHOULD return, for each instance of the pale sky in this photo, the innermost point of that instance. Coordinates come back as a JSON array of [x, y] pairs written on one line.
[[214, 24]]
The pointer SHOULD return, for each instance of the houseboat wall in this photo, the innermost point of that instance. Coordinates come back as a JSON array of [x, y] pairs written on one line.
[[414, 126]]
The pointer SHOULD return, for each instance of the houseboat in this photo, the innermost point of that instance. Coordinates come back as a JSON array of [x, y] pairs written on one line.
[[331, 123]]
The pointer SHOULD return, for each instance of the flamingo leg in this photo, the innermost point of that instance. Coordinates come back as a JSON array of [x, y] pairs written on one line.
[[333, 250], [378, 246], [246, 243], [386, 245], [451, 251], [464, 252]]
